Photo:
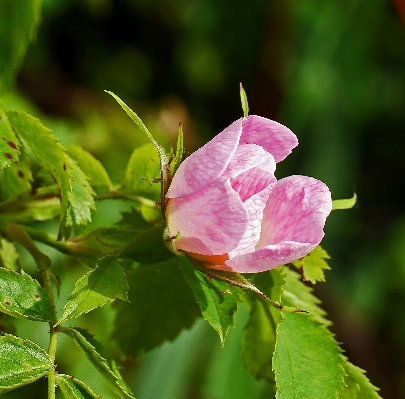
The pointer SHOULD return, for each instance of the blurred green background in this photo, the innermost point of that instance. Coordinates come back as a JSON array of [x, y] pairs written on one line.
[[333, 71]]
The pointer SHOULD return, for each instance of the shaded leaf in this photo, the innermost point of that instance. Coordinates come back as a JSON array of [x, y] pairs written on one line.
[[49, 151], [113, 380], [217, 304], [260, 332], [19, 20], [358, 385], [72, 388], [9, 143], [344, 203], [133, 220], [313, 265], [91, 166], [22, 296], [21, 362], [161, 306], [96, 288], [9, 257]]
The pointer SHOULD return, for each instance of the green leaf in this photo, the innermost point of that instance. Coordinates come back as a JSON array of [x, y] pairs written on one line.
[[91, 166], [218, 305], [133, 220], [344, 203], [179, 149], [21, 362], [358, 385], [260, 332], [244, 101], [161, 306], [18, 177], [9, 143], [19, 20], [72, 388], [81, 197], [22, 296], [49, 151], [9, 256], [313, 265], [143, 164], [100, 286], [113, 380]]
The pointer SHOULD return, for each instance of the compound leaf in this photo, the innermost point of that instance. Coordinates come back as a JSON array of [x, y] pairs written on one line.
[[72, 388]]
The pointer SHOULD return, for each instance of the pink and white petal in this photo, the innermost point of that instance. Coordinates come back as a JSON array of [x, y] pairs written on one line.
[[296, 211], [274, 137], [209, 222], [267, 258], [256, 179], [255, 207], [206, 164]]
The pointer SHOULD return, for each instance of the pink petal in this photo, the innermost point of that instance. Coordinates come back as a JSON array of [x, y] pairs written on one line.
[[210, 222], [292, 225], [274, 137], [205, 165]]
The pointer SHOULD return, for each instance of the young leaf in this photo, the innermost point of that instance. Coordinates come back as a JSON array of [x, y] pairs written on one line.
[[22, 296], [72, 388], [9, 143], [91, 166], [49, 151], [80, 198], [143, 166], [113, 380], [179, 149], [161, 306], [217, 306], [313, 265], [344, 203], [358, 385], [21, 362], [18, 24], [100, 286], [260, 332], [244, 101], [9, 256]]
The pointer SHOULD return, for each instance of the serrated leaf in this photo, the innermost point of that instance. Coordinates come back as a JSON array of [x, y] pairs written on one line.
[[358, 386], [81, 197], [100, 286], [91, 166], [9, 257], [21, 362], [218, 306], [260, 332], [22, 296], [72, 388], [344, 203], [9, 143], [49, 151], [17, 178], [133, 220], [313, 265], [161, 306], [113, 380], [143, 164]]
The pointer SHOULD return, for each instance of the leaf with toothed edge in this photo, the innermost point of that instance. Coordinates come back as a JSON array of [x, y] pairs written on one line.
[[72, 388]]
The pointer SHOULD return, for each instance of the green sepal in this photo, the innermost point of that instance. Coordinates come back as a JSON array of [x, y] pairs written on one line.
[[96, 288], [21, 296], [21, 362], [179, 149], [344, 203], [72, 388], [244, 101], [113, 379], [218, 304]]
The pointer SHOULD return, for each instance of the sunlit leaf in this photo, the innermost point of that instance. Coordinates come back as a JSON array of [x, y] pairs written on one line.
[[218, 304], [161, 306], [358, 385], [21, 362], [91, 166], [9, 143], [72, 388], [96, 288], [49, 151], [344, 203], [22, 296], [113, 380], [244, 101], [313, 265]]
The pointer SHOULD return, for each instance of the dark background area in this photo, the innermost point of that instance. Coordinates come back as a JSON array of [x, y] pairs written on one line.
[[334, 72]]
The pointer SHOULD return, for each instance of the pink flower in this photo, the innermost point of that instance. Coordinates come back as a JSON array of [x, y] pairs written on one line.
[[226, 208]]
